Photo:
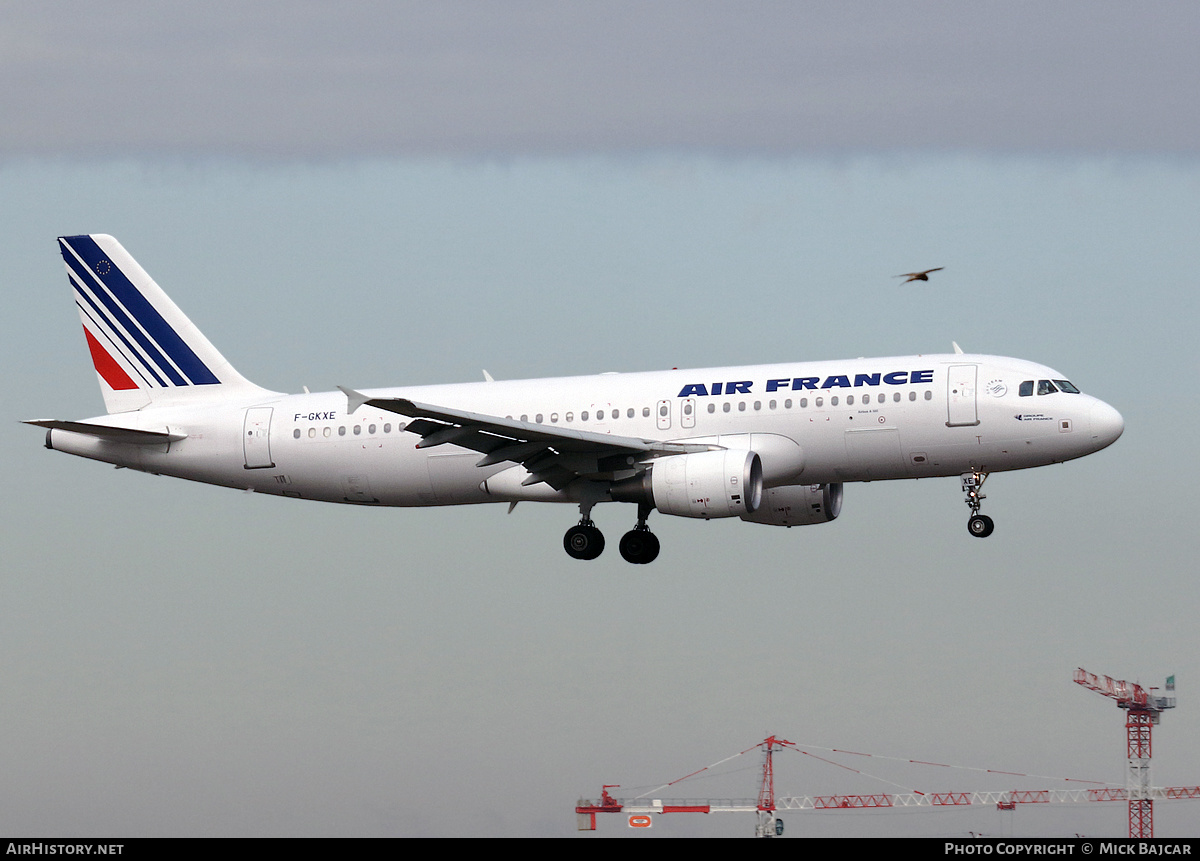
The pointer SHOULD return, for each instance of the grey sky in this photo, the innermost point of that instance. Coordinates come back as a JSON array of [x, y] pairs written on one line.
[[408, 193], [313, 80]]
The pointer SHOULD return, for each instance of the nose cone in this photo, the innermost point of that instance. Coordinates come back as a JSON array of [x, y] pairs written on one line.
[[1107, 425]]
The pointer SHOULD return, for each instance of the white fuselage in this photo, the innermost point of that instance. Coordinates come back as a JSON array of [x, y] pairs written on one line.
[[817, 422]]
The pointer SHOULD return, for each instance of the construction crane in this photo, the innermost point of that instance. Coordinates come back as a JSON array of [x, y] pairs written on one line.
[[640, 811], [1143, 711]]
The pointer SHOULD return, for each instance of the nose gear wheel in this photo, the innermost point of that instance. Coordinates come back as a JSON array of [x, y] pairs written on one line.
[[979, 525]]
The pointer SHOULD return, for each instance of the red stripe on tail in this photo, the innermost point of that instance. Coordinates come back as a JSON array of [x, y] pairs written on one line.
[[107, 367]]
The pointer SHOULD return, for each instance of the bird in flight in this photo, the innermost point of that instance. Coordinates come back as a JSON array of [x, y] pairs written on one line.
[[918, 276]]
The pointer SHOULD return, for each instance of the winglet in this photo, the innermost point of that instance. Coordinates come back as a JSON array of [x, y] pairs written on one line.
[[487, 377], [354, 399], [957, 349]]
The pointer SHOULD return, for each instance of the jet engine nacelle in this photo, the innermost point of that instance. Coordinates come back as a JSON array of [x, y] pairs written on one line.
[[727, 483], [798, 505]]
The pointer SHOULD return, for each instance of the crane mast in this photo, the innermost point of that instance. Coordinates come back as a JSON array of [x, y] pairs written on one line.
[[1143, 711], [768, 825]]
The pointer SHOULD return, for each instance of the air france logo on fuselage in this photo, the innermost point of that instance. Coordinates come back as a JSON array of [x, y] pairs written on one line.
[[796, 384]]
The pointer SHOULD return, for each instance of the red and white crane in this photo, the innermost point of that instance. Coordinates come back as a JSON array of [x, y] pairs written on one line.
[[1143, 711]]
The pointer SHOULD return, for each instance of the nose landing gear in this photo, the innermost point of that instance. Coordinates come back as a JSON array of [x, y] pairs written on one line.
[[979, 525]]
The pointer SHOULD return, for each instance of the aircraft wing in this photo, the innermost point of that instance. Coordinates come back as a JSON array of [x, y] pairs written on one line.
[[552, 454]]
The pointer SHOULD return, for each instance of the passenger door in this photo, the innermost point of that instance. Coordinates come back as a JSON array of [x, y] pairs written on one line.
[[256, 438], [960, 396]]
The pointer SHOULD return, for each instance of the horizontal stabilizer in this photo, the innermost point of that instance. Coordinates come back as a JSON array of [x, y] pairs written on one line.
[[129, 436]]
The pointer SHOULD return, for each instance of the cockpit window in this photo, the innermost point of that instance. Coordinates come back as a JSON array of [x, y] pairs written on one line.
[[1027, 389], [1066, 386], [1045, 387]]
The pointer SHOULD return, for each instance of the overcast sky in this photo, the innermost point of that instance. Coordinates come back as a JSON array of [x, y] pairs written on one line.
[[278, 80], [390, 193]]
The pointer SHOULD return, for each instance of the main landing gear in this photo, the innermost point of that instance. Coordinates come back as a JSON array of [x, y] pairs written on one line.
[[584, 541], [979, 525], [639, 545]]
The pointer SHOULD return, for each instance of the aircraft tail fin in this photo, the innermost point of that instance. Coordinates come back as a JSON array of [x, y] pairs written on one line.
[[145, 350]]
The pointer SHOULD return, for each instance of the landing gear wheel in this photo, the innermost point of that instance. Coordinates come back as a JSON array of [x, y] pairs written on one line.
[[639, 546], [584, 541], [980, 526]]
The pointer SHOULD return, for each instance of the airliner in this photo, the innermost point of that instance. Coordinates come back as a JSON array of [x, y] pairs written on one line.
[[768, 444]]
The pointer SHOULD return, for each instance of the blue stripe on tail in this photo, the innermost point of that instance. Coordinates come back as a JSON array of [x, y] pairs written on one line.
[[118, 288]]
